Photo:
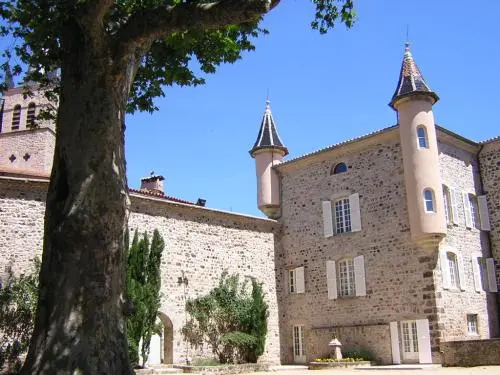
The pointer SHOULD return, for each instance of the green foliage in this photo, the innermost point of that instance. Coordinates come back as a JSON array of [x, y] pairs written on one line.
[[18, 299], [205, 362], [180, 58], [230, 319], [143, 282], [359, 354]]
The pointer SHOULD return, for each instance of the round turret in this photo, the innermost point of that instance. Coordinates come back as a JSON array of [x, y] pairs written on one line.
[[413, 100], [268, 151]]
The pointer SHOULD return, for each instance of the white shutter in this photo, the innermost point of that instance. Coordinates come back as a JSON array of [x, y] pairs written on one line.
[[359, 276], [327, 218], [396, 356], [454, 205], [299, 279], [331, 279], [445, 269], [355, 212], [467, 210], [461, 271], [424, 341], [492, 279], [484, 217], [476, 271]]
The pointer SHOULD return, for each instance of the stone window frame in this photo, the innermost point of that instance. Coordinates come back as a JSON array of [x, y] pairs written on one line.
[[16, 117], [422, 138], [472, 321], [346, 277], [429, 198]]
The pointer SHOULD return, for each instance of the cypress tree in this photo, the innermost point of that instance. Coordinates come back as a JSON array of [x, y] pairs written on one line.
[[143, 282]]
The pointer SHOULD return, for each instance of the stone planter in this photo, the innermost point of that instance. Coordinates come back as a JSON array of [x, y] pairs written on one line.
[[340, 364]]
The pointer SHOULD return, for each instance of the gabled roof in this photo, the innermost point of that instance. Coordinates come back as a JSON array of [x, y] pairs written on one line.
[[268, 137], [411, 81]]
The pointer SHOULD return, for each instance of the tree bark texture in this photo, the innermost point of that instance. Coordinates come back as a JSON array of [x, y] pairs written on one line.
[[80, 327]]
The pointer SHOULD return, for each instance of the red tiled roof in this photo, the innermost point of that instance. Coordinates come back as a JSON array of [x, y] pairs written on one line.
[[159, 195]]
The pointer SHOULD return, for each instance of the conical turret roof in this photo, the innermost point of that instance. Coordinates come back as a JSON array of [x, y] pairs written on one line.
[[268, 137], [411, 81]]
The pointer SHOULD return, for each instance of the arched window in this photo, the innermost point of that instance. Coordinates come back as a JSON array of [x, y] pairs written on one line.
[[339, 168], [30, 118], [429, 201], [16, 117], [422, 137]]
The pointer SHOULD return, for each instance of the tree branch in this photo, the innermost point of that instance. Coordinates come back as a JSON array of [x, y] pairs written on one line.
[[150, 24]]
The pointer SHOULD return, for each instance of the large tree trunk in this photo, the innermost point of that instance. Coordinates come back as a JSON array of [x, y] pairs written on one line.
[[80, 327]]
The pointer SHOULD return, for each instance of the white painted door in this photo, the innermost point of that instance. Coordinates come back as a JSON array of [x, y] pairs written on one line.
[[410, 341], [298, 344], [154, 357]]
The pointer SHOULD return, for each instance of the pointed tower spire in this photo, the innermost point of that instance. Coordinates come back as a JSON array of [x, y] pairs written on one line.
[[268, 151], [268, 137], [411, 81]]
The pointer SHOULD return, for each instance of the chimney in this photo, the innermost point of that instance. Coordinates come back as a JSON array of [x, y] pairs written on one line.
[[153, 184], [201, 202]]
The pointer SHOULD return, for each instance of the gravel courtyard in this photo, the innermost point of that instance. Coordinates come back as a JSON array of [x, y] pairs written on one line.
[[481, 370]]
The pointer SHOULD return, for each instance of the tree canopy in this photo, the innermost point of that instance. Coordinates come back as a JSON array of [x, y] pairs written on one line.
[[182, 40], [111, 56]]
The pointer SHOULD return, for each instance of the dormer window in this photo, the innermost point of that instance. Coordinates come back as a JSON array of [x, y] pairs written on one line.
[[339, 168], [16, 117], [30, 118], [422, 137]]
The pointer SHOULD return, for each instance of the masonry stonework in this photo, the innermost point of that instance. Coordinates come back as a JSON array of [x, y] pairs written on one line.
[[399, 275], [200, 244]]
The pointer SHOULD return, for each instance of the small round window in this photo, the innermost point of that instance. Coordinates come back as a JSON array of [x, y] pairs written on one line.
[[339, 168]]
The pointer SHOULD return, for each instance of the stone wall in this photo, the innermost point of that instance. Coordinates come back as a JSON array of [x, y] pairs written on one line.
[[28, 150], [399, 274], [200, 244], [489, 159], [460, 170], [471, 353], [374, 338]]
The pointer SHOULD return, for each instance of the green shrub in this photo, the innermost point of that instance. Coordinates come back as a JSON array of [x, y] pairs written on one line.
[[18, 300], [230, 319], [205, 362], [363, 354]]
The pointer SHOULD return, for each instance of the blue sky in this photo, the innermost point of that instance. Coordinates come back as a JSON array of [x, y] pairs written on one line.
[[323, 89]]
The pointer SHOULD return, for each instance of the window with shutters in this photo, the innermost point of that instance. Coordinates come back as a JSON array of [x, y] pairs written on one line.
[[347, 284], [296, 280], [429, 205], [16, 117], [472, 324], [474, 212], [292, 280], [453, 269], [342, 216], [422, 137], [30, 116], [447, 205]]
